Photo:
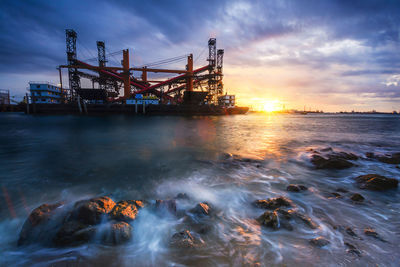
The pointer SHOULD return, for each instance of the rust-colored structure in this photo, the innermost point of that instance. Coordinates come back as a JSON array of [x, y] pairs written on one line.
[[111, 79]]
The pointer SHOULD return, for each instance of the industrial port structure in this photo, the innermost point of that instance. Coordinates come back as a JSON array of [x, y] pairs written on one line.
[[116, 88]]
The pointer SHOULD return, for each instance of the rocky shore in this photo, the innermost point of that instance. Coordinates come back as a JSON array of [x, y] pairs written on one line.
[[102, 220]]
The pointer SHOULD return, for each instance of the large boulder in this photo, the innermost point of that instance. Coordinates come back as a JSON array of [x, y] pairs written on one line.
[[273, 203], [166, 206], [125, 210], [74, 233], [376, 182], [92, 211], [40, 225]]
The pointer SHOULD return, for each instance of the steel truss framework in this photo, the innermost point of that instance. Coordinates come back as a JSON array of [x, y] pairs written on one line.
[[110, 80]]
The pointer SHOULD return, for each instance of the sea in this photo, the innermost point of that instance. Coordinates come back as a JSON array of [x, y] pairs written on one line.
[[226, 161]]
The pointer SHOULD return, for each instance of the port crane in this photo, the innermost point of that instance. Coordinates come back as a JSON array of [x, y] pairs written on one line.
[[181, 88]]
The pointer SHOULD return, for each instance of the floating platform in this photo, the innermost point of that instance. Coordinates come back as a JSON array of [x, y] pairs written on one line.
[[114, 108]]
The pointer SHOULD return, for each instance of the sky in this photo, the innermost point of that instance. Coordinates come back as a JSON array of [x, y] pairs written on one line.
[[329, 55]]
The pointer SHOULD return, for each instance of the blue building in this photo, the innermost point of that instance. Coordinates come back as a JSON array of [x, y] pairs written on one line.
[[46, 93]]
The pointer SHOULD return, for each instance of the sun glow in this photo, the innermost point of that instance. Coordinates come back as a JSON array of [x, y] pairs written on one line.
[[271, 106]]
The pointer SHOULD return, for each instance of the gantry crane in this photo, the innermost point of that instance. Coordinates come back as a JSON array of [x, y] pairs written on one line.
[[111, 79]]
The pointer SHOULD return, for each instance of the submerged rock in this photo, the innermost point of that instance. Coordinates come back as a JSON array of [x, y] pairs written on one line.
[[350, 232], [319, 242], [182, 196], [184, 239], [125, 210], [352, 249], [388, 158], [92, 211], [336, 195], [39, 225], [274, 203], [296, 188], [166, 205], [342, 190], [376, 182], [202, 209], [357, 197]]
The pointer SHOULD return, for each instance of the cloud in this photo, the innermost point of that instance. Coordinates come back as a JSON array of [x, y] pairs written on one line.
[[337, 48]]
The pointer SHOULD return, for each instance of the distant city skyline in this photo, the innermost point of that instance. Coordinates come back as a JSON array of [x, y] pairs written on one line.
[[327, 55]]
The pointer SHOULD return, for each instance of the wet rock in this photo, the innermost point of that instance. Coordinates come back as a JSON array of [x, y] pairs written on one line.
[[202, 209], [269, 219], [166, 205], [276, 219], [352, 249], [274, 203], [326, 149], [388, 158], [342, 190], [74, 233], [92, 211], [225, 156], [305, 219], [39, 225], [357, 197], [319, 242], [182, 196], [296, 188], [330, 163], [125, 210], [376, 182], [371, 232], [116, 233], [350, 232], [184, 239]]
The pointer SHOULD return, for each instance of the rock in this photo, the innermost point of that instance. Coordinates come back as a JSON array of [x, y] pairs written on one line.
[[376, 182], [393, 158], [319, 242], [74, 233], [371, 232], [330, 163], [276, 219], [352, 249], [269, 219], [202, 209], [357, 197], [350, 232], [342, 190], [166, 205], [390, 159], [116, 233], [296, 188], [182, 196], [326, 149], [183, 239], [39, 225], [305, 219], [274, 203], [125, 210], [93, 210]]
